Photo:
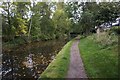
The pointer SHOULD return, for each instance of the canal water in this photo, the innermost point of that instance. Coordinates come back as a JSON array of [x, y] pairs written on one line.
[[29, 60]]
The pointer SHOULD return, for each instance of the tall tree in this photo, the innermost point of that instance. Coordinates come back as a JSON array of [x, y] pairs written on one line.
[[15, 21], [61, 20]]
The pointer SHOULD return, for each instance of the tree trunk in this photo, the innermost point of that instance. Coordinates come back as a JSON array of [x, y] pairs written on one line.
[[9, 22], [29, 30]]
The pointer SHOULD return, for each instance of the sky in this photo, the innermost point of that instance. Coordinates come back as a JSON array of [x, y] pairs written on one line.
[[0, 8]]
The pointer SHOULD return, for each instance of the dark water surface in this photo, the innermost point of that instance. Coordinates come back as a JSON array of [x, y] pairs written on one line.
[[29, 60]]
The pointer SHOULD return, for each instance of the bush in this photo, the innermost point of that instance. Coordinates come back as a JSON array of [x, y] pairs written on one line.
[[115, 29], [104, 38]]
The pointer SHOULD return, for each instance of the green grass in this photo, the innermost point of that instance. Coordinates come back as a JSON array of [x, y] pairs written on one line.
[[59, 66], [99, 61]]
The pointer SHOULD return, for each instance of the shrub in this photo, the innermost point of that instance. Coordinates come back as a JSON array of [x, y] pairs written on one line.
[[115, 29], [104, 38]]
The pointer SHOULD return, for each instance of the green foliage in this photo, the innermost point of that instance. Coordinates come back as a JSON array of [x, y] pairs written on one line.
[[105, 39], [19, 26], [115, 29], [42, 25], [61, 21], [44, 21], [107, 12], [87, 21], [95, 14], [14, 22]]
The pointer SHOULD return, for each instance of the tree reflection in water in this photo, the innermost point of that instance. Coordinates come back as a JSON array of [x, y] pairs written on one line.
[[29, 60]]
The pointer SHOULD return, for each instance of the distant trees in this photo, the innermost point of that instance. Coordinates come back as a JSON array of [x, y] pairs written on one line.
[[49, 21], [6, 20], [44, 21], [14, 21], [106, 12], [34, 20], [61, 21], [95, 14]]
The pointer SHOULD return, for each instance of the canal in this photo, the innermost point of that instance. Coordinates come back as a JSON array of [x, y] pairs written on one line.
[[29, 60]]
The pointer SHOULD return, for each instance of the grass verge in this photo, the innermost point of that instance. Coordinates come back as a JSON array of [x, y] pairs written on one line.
[[59, 66], [99, 61]]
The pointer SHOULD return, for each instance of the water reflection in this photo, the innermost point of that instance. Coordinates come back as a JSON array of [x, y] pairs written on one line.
[[29, 60]]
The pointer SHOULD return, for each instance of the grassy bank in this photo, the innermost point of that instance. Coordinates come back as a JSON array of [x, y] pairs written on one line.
[[59, 66], [100, 56]]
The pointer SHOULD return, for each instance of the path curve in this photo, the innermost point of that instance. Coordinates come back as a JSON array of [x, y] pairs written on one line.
[[76, 67]]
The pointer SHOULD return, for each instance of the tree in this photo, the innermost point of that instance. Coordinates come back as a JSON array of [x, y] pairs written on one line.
[[61, 21], [14, 21], [6, 23], [95, 14], [107, 12]]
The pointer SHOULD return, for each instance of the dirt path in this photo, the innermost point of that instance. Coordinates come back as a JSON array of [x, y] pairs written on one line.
[[76, 68]]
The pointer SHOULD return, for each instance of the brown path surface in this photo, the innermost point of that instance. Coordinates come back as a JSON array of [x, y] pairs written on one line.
[[76, 68]]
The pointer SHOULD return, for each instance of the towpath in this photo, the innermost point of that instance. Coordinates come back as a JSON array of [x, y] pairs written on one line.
[[76, 67]]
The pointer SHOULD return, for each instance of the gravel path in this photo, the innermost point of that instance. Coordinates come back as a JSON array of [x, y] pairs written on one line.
[[76, 68]]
